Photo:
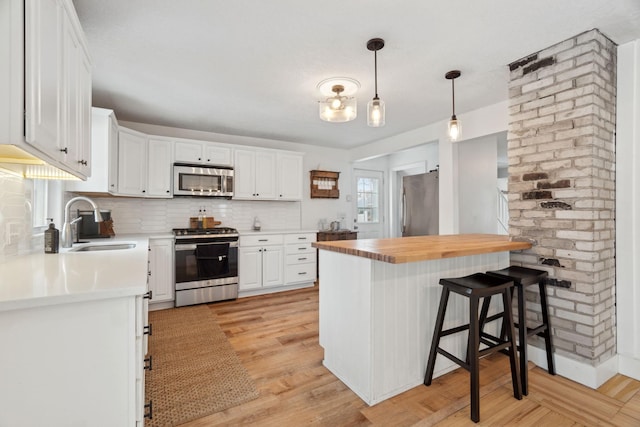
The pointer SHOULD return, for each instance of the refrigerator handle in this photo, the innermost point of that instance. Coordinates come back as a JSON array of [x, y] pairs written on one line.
[[403, 212]]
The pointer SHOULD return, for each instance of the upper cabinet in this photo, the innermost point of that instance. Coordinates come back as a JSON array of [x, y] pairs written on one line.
[[144, 165], [104, 155], [50, 119], [267, 175], [202, 152]]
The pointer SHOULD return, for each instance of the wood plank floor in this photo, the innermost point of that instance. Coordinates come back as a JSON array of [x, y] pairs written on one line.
[[276, 337]]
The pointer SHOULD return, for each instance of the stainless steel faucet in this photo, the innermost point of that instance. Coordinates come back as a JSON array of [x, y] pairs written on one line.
[[66, 240]]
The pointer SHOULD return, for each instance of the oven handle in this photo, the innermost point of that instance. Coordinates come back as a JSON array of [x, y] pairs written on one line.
[[192, 246]]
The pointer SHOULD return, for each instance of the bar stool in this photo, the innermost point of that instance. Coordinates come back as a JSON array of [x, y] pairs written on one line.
[[474, 287], [523, 277]]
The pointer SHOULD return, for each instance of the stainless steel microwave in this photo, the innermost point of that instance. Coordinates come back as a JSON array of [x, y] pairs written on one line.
[[202, 180]]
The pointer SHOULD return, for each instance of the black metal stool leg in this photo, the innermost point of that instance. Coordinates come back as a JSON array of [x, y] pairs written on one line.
[[548, 343], [474, 358], [522, 338], [442, 309], [513, 351]]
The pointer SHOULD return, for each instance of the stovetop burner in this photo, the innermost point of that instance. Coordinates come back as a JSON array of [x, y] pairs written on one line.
[[204, 231]]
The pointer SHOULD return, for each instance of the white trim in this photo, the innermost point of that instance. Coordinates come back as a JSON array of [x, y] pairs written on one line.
[[629, 366], [587, 375]]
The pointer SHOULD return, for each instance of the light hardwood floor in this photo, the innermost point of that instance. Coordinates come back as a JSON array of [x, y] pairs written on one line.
[[276, 337]]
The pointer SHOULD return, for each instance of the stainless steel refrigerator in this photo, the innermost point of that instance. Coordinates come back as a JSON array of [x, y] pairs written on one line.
[[419, 215]]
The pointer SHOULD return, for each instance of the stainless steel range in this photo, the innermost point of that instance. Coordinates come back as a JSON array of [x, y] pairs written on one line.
[[206, 265]]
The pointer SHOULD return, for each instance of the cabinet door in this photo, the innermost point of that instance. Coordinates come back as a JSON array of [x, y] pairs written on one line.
[[43, 79], [132, 163], [217, 155], [289, 176], [113, 153], [272, 266], [161, 269], [159, 168], [244, 174], [69, 143], [188, 152], [249, 267], [265, 175], [84, 112]]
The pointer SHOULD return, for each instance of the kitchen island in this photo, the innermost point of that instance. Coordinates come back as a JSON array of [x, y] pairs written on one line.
[[378, 304]]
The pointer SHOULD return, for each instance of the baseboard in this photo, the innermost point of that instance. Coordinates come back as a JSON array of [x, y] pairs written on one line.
[[629, 366], [590, 376]]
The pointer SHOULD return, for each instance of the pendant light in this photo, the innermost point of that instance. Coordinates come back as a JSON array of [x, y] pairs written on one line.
[[375, 107], [454, 123]]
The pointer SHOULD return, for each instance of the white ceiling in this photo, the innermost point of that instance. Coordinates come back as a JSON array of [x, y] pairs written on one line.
[[251, 67]]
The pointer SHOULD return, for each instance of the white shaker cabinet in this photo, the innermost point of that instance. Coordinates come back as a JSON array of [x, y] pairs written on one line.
[[161, 274], [254, 174], [289, 171], [260, 261], [300, 261], [79, 363], [144, 165], [202, 152], [104, 155], [45, 94]]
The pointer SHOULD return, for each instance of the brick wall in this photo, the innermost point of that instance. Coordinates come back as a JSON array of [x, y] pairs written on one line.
[[562, 189]]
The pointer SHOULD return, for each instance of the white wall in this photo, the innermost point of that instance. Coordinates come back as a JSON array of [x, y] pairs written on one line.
[[628, 209], [477, 185]]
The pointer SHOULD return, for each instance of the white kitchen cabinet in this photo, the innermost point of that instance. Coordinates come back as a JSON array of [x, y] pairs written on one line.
[[144, 165], [78, 363], [45, 70], [300, 261], [161, 275], [104, 155], [260, 261], [202, 152], [289, 171], [254, 174]]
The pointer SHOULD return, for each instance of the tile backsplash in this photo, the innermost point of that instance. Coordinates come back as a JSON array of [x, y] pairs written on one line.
[[16, 235], [133, 215]]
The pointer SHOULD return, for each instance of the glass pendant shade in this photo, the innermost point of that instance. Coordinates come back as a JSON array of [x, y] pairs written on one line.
[[338, 109], [454, 129], [375, 113]]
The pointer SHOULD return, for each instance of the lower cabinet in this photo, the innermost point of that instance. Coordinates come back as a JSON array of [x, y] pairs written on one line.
[[79, 363], [274, 262], [161, 274]]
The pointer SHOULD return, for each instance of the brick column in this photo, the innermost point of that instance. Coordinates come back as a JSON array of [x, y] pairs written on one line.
[[562, 189]]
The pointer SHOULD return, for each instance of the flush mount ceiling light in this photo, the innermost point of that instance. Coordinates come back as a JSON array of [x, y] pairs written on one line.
[[375, 107], [339, 104], [454, 124]]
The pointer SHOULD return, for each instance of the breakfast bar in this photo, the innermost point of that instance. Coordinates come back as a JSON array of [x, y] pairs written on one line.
[[379, 299]]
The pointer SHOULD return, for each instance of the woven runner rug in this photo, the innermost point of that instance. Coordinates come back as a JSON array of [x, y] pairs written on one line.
[[195, 371]]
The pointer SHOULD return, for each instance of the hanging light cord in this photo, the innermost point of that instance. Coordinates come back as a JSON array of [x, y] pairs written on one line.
[[453, 97], [375, 68]]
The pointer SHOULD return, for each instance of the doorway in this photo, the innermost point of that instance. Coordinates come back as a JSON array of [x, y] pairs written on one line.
[[369, 206]]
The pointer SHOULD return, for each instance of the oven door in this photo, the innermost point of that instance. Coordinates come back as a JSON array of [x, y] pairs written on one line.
[[206, 261]]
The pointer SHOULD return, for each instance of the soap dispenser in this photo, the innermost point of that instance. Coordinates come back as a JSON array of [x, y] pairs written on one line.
[[256, 224], [51, 238]]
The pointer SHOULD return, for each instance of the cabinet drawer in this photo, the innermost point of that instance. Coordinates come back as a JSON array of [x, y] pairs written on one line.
[[261, 240], [301, 237], [300, 248], [301, 273], [301, 258]]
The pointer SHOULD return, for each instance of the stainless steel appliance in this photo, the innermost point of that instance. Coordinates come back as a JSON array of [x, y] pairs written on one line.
[[201, 180], [206, 265], [420, 204]]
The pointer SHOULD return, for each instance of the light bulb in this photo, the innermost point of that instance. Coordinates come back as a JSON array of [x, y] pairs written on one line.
[[375, 113], [336, 103], [454, 129]]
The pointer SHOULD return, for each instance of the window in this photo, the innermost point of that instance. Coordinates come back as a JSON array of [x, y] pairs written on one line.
[[368, 193]]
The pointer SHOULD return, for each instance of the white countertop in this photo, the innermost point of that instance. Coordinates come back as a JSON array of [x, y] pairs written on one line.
[[41, 279]]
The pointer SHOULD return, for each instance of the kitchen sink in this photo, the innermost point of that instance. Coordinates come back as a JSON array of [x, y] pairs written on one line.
[[105, 247]]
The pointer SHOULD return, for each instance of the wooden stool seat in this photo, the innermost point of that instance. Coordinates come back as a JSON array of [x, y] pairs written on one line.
[[523, 277], [474, 287]]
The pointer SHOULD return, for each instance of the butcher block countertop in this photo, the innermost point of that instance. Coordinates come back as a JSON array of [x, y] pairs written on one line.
[[421, 248]]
